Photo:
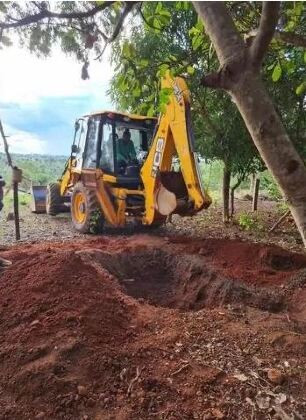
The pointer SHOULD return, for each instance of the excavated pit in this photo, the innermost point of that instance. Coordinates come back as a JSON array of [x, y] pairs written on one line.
[[86, 331], [187, 282]]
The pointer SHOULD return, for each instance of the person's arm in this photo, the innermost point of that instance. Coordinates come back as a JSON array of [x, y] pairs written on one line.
[[132, 152], [118, 150]]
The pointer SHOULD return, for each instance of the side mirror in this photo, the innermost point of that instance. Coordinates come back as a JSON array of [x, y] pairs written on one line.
[[74, 148]]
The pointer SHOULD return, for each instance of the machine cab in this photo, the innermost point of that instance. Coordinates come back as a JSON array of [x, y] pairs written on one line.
[[116, 143]]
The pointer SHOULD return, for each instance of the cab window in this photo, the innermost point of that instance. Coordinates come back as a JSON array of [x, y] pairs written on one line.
[[107, 161], [90, 158]]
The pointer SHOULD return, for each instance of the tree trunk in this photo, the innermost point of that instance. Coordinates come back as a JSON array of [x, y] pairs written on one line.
[[252, 183], [239, 75], [273, 144], [233, 189], [16, 211], [255, 195], [226, 192]]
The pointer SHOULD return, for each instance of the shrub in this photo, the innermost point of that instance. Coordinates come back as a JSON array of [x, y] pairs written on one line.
[[248, 221]]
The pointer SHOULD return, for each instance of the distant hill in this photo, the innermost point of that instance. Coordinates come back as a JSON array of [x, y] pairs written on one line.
[[42, 169]]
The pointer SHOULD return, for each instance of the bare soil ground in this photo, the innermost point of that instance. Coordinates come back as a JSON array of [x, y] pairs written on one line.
[[195, 321], [37, 227]]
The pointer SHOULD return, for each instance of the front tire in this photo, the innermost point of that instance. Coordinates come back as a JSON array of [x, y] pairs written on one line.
[[85, 210]]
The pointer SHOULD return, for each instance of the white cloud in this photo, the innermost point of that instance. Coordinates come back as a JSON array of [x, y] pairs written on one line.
[[25, 78], [23, 141]]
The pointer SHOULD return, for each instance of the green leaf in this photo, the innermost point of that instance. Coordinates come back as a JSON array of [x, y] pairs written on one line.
[[150, 111], [126, 51], [305, 56], [137, 92], [277, 72], [162, 70], [190, 70], [159, 7], [156, 23], [165, 13], [197, 42], [301, 88], [162, 108], [143, 62]]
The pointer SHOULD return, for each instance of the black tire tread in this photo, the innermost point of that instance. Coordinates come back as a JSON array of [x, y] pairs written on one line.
[[54, 199]]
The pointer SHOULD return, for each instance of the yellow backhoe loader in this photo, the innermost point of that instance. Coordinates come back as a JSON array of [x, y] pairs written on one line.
[[122, 167]]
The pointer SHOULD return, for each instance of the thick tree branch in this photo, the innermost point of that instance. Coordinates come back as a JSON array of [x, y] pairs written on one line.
[[125, 12], [212, 80], [45, 13], [287, 37], [291, 38], [129, 6], [221, 29], [266, 29]]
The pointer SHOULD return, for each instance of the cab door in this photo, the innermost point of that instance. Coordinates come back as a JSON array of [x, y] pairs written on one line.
[[92, 142], [80, 140]]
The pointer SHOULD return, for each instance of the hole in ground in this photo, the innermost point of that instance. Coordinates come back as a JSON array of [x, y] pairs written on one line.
[[183, 281]]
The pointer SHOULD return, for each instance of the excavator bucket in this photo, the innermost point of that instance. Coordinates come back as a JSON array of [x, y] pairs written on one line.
[[38, 202]]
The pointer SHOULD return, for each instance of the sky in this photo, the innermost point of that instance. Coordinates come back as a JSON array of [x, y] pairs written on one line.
[[40, 99]]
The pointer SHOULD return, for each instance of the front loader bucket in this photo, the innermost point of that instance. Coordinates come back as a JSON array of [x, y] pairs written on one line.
[[38, 201]]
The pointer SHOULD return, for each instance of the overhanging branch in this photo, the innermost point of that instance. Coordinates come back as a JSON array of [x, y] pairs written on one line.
[[265, 33], [291, 38], [212, 80], [45, 13], [119, 24]]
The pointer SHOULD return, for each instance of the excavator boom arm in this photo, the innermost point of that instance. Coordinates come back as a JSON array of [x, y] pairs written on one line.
[[174, 137]]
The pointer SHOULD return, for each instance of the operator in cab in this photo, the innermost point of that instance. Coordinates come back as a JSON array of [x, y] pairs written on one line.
[[126, 153]]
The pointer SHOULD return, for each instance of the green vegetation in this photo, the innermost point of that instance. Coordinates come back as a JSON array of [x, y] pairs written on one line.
[[24, 199], [250, 221], [41, 169]]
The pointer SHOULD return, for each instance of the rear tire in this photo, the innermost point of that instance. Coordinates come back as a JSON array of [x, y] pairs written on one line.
[[86, 214], [54, 200]]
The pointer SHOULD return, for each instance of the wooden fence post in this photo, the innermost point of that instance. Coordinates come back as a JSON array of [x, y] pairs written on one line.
[[255, 195], [16, 178]]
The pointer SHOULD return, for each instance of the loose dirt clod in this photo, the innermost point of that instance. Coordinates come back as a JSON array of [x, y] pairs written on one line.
[[132, 328], [275, 376]]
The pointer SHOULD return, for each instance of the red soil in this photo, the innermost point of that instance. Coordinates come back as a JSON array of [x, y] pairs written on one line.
[[93, 329]]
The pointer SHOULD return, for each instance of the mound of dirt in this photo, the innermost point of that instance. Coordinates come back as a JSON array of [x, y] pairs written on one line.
[[145, 327]]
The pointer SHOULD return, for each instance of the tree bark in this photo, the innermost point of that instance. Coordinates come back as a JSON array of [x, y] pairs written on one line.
[[273, 144], [255, 195], [233, 189], [239, 75], [252, 183], [16, 211], [226, 192]]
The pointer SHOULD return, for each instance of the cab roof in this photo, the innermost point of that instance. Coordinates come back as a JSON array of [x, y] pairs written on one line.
[[122, 114]]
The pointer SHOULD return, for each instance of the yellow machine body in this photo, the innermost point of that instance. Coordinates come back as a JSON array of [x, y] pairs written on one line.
[[160, 190]]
